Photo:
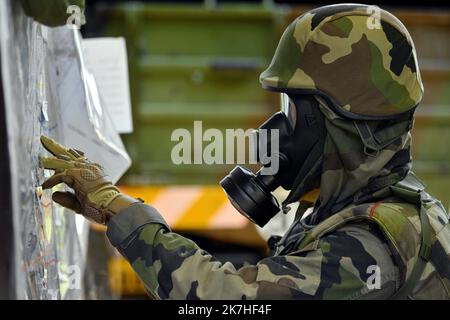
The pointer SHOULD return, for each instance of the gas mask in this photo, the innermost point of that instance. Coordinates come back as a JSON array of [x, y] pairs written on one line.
[[286, 140]]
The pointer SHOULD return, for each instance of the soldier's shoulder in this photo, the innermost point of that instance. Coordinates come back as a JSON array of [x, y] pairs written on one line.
[[364, 216]]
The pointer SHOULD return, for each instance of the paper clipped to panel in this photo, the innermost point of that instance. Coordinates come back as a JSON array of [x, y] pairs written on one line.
[[106, 59]]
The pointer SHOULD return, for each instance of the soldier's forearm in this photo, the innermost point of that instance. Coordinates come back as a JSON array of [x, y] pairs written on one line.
[[143, 237], [174, 267], [170, 265], [125, 225]]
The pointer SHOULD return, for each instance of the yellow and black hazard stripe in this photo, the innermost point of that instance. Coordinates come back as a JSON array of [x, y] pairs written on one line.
[[190, 207]]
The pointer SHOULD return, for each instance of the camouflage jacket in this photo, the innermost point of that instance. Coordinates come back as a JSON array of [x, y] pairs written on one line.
[[365, 251]]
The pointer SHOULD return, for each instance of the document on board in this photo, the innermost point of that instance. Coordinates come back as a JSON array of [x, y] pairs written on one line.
[[106, 59]]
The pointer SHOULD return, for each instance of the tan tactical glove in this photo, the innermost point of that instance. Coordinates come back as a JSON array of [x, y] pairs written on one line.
[[95, 196]]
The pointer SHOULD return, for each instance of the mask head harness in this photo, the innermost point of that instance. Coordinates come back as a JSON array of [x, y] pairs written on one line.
[[286, 139]]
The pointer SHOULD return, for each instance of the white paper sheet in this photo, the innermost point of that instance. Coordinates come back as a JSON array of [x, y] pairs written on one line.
[[106, 59]]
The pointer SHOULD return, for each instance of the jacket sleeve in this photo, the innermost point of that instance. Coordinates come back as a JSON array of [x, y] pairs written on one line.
[[351, 263]]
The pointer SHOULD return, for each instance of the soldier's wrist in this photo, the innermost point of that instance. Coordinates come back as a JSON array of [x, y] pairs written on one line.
[[121, 202]]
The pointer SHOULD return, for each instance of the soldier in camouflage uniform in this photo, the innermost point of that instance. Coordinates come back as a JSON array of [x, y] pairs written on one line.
[[372, 213]]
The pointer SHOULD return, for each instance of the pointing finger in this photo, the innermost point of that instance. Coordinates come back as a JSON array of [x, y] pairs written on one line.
[[55, 148], [57, 179], [53, 163]]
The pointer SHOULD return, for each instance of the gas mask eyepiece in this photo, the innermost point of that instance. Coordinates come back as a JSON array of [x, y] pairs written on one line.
[[282, 144]]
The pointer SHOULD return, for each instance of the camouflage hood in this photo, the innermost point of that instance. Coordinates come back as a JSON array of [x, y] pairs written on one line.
[[359, 158], [356, 159]]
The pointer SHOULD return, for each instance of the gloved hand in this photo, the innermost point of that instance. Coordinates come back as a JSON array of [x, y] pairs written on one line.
[[95, 196]]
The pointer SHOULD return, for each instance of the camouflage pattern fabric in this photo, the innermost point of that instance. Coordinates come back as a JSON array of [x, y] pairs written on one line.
[[362, 59], [333, 261], [173, 267], [347, 170], [400, 224]]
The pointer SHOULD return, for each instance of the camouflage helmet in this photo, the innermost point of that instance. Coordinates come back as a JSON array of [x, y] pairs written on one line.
[[360, 58]]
